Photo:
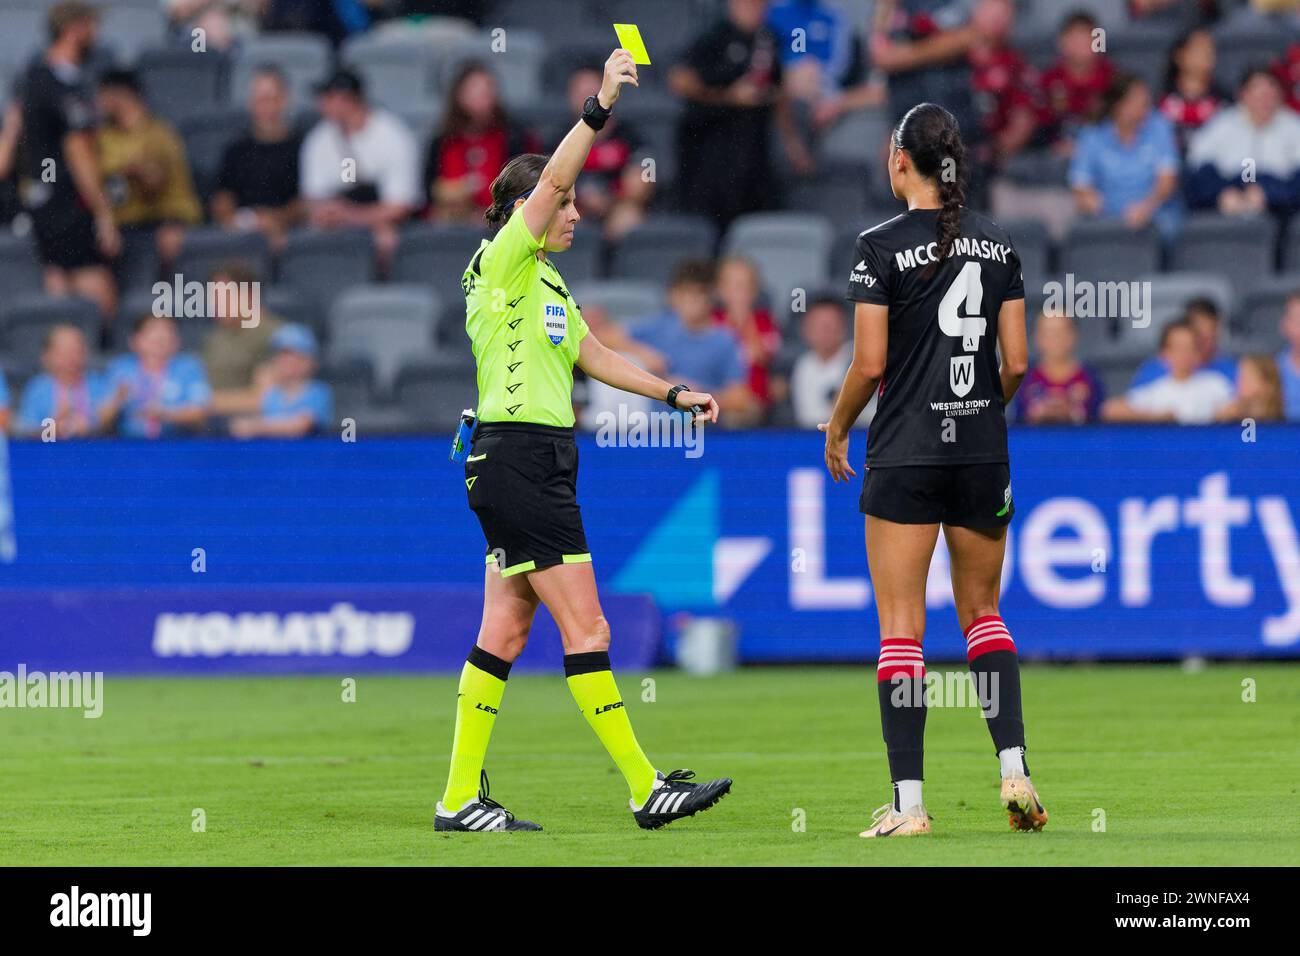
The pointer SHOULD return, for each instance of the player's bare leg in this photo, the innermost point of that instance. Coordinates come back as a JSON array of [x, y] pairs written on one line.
[[898, 556], [976, 556]]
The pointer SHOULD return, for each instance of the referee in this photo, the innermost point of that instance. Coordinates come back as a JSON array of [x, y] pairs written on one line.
[[527, 333]]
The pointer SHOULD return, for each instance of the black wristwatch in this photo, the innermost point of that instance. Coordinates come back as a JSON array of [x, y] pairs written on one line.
[[673, 393], [593, 114]]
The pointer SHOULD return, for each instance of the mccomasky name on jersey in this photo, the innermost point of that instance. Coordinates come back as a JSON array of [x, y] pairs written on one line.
[[963, 246]]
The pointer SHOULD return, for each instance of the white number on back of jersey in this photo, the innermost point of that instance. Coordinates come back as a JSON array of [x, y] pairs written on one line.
[[959, 312]]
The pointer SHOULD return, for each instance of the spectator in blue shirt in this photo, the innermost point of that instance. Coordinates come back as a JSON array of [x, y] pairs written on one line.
[[698, 352], [823, 57], [4, 405], [1288, 360], [295, 404], [65, 395], [156, 391], [1203, 316], [1126, 166]]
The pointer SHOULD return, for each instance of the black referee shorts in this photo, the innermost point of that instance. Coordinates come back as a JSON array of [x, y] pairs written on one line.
[[964, 496], [521, 480]]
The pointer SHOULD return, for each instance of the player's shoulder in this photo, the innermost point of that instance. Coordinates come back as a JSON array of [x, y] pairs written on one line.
[[882, 231], [983, 226]]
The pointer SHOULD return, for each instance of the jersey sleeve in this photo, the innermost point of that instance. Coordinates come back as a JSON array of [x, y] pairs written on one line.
[[1016, 284], [869, 279], [509, 253]]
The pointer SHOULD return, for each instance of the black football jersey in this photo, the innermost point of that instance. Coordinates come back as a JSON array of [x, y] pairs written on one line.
[[940, 401]]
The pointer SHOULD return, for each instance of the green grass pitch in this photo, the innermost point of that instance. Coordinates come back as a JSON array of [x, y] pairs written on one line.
[[285, 772]]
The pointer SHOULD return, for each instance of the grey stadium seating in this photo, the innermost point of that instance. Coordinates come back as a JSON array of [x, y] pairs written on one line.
[[387, 324], [324, 264]]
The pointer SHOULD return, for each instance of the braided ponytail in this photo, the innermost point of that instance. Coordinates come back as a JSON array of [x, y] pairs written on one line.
[[930, 135]]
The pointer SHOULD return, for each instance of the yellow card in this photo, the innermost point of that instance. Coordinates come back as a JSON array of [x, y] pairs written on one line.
[[629, 38]]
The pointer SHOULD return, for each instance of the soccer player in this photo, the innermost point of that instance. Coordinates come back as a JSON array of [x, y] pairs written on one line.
[[937, 291], [527, 333]]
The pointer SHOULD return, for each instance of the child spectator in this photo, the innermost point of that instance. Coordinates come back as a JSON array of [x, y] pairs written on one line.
[[295, 404], [737, 290], [1288, 360], [1058, 389], [1188, 394], [1203, 316], [697, 352], [156, 392], [818, 373], [1259, 392], [65, 394]]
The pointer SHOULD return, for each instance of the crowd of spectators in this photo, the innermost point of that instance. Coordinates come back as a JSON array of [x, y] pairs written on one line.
[[759, 91]]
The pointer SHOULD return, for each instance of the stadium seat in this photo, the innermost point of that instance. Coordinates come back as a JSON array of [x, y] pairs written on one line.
[[436, 256], [399, 74], [20, 269], [858, 137], [1291, 247], [137, 266], [627, 301], [423, 123], [585, 259], [179, 83], [1034, 246], [1141, 49], [1108, 250], [838, 192], [127, 29], [206, 138], [321, 264], [1254, 327], [22, 33], [1170, 293], [1241, 46], [304, 58], [207, 248], [790, 249], [26, 320], [654, 246], [518, 69], [1240, 247], [542, 16], [387, 324], [352, 382], [434, 394], [287, 304]]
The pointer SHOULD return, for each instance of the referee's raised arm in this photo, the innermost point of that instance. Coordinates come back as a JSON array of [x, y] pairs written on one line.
[[570, 156]]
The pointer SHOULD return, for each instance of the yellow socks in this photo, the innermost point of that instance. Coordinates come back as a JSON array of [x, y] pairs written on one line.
[[592, 685], [482, 685]]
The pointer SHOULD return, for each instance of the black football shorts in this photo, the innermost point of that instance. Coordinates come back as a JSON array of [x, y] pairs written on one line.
[[521, 480], [964, 496]]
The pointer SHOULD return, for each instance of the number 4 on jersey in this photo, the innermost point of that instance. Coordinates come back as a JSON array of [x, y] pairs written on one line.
[[966, 290]]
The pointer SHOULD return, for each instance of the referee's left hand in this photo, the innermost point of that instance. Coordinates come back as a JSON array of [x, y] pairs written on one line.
[[837, 454], [703, 399]]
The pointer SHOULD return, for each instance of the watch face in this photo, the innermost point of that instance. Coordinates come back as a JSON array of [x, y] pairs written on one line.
[[590, 105]]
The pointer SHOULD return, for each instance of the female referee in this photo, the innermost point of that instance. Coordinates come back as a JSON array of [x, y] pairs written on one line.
[[520, 475], [937, 292]]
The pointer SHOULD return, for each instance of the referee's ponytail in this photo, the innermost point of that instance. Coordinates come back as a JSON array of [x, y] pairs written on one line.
[[516, 179], [930, 135]]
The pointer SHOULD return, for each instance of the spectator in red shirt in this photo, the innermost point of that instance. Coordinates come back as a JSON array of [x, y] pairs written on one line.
[[1191, 96], [1287, 70], [1004, 84], [612, 187], [476, 140], [1073, 87], [736, 289], [1058, 389]]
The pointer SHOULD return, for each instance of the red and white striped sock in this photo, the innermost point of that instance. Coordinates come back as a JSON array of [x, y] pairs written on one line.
[[899, 655], [988, 633]]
